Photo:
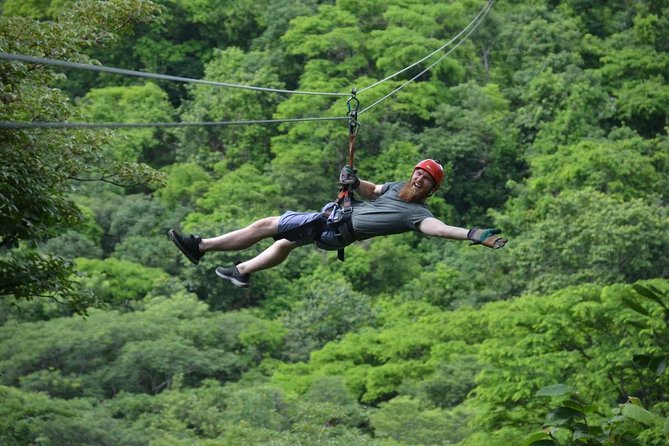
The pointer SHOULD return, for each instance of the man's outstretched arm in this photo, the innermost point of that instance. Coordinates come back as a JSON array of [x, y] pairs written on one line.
[[437, 228], [369, 190], [487, 237]]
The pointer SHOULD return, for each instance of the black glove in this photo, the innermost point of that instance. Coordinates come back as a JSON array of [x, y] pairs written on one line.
[[486, 237], [348, 176]]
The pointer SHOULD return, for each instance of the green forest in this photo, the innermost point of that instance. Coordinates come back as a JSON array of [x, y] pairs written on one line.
[[550, 118]]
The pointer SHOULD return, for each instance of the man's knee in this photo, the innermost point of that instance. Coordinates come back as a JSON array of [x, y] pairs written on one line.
[[267, 225], [285, 245]]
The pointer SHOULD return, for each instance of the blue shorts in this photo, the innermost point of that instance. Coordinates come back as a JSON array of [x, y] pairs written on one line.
[[304, 228]]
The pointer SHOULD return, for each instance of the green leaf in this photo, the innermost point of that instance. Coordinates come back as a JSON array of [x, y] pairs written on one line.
[[576, 404], [535, 437], [573, 404], [646, 292], [666, 426], [590, 430], [539, 439], [580, 435], [662, 366], [635, 306], [638, 413], [562, 415], [655, 290], [555, 390]]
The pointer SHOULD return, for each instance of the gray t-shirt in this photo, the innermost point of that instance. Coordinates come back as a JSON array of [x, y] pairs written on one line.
[[387, 214]]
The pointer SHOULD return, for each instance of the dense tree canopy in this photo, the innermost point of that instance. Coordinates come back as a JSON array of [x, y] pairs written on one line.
[[550, 118]]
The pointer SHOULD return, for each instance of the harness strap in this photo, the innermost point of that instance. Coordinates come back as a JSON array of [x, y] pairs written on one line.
[[345, 233]]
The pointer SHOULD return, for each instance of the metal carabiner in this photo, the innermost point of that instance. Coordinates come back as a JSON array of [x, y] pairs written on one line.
[[353, 113], [353, 110]]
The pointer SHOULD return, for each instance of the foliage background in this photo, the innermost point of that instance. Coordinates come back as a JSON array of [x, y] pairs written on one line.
[[551, 120]]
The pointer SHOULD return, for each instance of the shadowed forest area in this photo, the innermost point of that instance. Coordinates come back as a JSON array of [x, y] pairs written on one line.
[[551, 120]]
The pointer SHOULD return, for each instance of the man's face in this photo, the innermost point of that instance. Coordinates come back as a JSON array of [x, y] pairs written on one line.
[[419, 186]]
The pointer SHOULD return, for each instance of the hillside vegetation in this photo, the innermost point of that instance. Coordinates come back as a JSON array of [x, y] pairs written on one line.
[[551, 120]]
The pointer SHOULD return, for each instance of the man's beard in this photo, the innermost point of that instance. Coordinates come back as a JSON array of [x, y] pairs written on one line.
[[411, 195]]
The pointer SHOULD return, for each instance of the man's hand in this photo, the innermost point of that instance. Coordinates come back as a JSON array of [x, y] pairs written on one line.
[[486, 237], [348, 176]]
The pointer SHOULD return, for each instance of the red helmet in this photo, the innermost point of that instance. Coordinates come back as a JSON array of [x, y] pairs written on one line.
[[435, 170]]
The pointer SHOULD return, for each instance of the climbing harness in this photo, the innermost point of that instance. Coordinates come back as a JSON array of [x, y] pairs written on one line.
[[332, 228]]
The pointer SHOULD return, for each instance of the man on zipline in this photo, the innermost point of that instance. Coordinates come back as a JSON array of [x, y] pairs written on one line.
[[393, 208]]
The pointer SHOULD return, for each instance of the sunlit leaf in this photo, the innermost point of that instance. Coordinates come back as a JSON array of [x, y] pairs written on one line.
[[555, 390], [638, 413], [536, 438]]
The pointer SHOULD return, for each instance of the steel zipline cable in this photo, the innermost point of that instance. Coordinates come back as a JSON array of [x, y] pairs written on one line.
[[124, 72], [480, 19], [467, 31], [474, 23], [118, 125]]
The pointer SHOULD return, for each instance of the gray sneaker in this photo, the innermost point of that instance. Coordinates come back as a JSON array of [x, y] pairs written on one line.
[[190, 245], [233, 275]]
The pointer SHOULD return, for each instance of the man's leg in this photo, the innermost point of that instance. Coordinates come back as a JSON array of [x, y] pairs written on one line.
[[240, 274], [242, 238], [269, 258], [194, 247]]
